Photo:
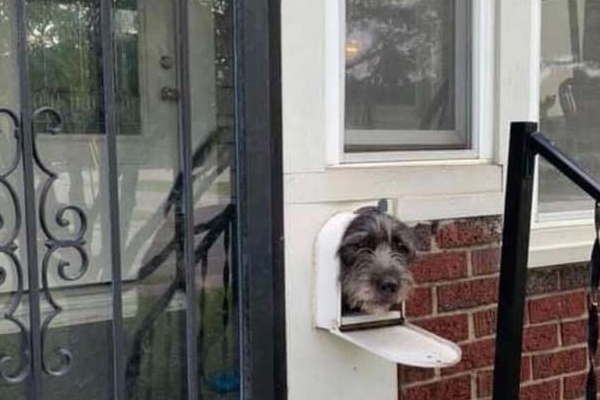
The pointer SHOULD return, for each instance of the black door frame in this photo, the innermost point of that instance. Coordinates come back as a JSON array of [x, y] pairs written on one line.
[[260, 199]]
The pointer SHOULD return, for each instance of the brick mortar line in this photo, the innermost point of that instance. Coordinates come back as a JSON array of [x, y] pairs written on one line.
[[442, 250], [469, 371], [435, 249], [421, 383], [560, 320], [555, 350], [561, 389], [486, 275], [434, 244], [530, 362], [560, 333], [474, 247], [471, 322], [435, 379], [473, 385], [542, 380], [472, 310], [467, 279], [485, 337], [490, 245], [470, 277], [540, 296], [573, 375], [541, 324], [451, 313]]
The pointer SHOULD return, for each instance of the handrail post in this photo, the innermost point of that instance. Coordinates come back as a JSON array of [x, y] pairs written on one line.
[[513, 268]]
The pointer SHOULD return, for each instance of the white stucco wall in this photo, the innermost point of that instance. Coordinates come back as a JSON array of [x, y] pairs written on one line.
[[320, 366]]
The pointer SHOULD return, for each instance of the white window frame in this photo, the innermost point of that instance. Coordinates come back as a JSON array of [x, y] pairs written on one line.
[[316, 170], [414, 137], [481, 96]]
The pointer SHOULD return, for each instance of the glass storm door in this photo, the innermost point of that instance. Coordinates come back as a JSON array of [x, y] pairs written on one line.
[[117, 274]]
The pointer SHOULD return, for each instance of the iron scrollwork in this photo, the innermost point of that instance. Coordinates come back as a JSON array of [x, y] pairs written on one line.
[[15, 368], [10, 372], [56, 244]]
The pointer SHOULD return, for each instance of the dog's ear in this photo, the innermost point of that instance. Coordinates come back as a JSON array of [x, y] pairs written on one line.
[[405, 237]]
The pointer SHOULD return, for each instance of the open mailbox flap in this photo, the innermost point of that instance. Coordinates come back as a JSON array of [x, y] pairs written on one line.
[[396, 340], [405, 344]]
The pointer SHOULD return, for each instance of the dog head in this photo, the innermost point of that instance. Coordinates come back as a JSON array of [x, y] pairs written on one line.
[[375, 253]]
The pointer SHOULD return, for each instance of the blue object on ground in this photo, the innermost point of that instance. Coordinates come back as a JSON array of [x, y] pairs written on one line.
[[224, 383]]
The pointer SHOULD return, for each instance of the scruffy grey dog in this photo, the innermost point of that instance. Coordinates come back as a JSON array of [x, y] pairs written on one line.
[[375, 254]]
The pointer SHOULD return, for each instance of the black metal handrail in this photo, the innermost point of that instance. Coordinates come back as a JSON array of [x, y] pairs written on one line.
[[525, 144]]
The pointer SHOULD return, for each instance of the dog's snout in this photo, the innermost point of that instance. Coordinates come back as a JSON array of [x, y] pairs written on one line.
[[388, 286]]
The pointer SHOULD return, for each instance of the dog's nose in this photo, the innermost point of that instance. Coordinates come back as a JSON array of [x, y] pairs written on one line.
[[388, 286]]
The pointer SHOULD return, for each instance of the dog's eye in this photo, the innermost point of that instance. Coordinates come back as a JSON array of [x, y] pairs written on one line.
[[399, 245], [403, 249]]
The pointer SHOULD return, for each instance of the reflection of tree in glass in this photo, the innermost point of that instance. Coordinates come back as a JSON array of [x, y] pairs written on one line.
[[5, 21], [64, 56], [395, 41], [62, 45], [399, 53]]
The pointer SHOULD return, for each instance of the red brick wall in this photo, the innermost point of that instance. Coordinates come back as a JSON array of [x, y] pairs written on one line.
[[456, 297]]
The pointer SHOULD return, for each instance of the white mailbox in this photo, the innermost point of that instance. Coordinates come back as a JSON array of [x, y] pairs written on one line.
[[389, 336]]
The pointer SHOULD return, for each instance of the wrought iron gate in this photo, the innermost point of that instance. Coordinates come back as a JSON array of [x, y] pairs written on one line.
[[121, 198]]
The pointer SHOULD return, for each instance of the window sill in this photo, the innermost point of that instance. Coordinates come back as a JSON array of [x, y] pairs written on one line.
[[420, 190], [558, 243], [416, 155]]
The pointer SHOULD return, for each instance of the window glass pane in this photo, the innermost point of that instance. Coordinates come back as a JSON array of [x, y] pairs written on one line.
[[405, 75], [126, 37], [65, 52], [570, 96]]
